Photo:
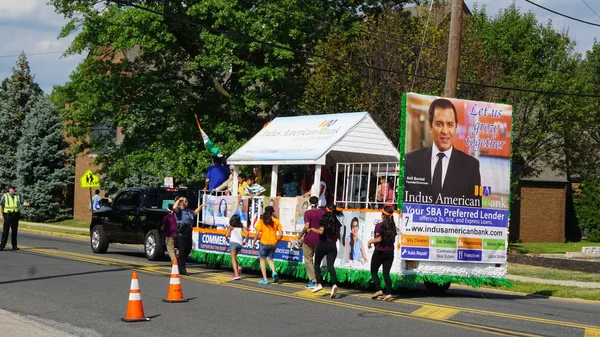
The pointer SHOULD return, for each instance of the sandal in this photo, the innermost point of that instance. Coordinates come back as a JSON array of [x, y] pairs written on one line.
[[388, 298], [377, 294]]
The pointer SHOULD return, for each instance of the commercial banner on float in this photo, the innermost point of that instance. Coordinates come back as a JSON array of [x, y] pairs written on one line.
[[353, 251], [455, 195], [211, 240]]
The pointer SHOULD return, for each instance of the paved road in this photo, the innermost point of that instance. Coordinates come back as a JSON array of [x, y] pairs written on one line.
[[59, 283]]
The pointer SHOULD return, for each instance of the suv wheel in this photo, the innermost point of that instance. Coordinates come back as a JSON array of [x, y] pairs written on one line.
[[98, 240], [153, 247]]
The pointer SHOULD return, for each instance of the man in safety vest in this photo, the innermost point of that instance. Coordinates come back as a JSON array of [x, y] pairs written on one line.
[[9, 211]]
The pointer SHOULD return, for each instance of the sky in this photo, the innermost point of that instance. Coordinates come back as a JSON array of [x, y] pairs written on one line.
[[32, 26]]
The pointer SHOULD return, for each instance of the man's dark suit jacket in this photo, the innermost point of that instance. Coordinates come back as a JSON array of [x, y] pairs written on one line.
[[461, 177]]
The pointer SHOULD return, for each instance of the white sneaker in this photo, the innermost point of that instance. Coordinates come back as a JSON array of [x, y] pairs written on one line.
[[333, 291], [317, 288]]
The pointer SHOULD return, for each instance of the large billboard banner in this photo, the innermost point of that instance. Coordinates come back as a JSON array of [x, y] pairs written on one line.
[[456, 166]]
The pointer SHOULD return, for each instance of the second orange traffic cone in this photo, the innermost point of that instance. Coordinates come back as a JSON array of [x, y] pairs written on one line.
[[175, 295], [135, 309]]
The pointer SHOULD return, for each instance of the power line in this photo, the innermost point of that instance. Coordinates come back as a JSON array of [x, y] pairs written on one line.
[[345, 27], [239, 36], [563, 15], [384, 36], [34, 54], [590, 7]]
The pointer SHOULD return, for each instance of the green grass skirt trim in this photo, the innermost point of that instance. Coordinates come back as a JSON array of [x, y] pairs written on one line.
[[351, 278]]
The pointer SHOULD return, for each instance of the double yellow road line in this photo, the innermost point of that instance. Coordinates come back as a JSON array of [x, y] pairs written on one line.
[[438, 313]]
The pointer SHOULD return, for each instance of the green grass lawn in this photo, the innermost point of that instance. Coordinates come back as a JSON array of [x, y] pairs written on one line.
[[42, 230], [68, 223], [549, 247], [551, 274], [72, 223]]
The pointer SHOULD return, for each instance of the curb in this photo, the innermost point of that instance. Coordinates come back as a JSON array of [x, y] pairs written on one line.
[[82, 236]]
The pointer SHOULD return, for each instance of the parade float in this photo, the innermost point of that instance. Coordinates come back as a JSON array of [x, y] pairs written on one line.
[[441, 240]]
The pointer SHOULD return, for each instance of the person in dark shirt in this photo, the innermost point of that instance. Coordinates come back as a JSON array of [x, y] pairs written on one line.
[[385, 236], [169, 226], [185, 222], [216, 175], [329, 233]]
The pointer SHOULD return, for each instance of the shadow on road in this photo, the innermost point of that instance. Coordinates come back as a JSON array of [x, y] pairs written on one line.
[[62, 275]]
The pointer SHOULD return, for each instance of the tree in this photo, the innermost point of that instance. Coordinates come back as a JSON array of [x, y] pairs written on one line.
[[587, 207], [511, 50], [17, 92], [43, 166], [219, 59]]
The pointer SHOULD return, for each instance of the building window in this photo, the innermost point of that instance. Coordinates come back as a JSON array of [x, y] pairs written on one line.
[[103, 136]]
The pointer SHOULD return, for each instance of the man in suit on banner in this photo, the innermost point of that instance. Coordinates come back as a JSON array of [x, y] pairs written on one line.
[[442, 174]]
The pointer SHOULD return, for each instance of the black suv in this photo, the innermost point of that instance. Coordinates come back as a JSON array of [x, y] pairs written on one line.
[[135, 216]]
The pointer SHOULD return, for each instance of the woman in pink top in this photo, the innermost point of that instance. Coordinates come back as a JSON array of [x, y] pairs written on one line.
[[385, 235]]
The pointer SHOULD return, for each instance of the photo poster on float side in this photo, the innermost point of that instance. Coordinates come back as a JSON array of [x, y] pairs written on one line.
[[286, 208], [456, 211], [351, 256], [302, 205], [255, 211], [240, 207], [218, 210]]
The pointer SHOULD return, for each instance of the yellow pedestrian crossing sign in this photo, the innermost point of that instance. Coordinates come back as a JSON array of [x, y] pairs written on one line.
[[89, 179]]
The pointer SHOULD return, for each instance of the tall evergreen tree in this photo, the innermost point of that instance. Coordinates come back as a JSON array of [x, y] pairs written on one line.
[[16, 93], [43, 166]]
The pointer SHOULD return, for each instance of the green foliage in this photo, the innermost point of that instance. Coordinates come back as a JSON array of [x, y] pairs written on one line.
[[148, 74], [594, 235], [511, 49], [43, 167], [587, 208], [15, 103]]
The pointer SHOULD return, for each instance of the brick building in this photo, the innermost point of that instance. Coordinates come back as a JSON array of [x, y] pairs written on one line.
[[85, 161], [545, 211]]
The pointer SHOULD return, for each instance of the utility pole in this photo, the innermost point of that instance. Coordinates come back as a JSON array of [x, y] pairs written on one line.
[[453, 48]]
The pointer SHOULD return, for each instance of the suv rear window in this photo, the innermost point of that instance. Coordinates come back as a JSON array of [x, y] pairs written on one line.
[[162, 198]]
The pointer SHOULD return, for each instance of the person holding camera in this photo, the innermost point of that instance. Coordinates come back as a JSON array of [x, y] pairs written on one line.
[[185, 222]]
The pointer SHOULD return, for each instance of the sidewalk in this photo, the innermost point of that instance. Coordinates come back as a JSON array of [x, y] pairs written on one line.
[[557, 282], [20, 326], [50, 226]]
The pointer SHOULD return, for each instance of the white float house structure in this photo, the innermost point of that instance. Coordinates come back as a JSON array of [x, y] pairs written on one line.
[[316, 140]]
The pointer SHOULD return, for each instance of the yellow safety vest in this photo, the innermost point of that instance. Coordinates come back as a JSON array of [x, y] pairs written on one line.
[[11, 204]]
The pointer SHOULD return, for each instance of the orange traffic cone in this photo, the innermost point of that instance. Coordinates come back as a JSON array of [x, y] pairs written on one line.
[[135, 309], [175, 295]]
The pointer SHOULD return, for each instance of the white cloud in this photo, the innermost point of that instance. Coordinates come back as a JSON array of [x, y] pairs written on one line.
[[47, 45], [33, 27], [33, 11], [582, 33], [16, 9]]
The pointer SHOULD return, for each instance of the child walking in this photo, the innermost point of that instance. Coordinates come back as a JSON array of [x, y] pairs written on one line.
[[237, 236], [270, 232]]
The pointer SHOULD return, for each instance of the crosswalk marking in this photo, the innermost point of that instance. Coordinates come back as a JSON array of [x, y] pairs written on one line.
[[432, 312], [591, 332]]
